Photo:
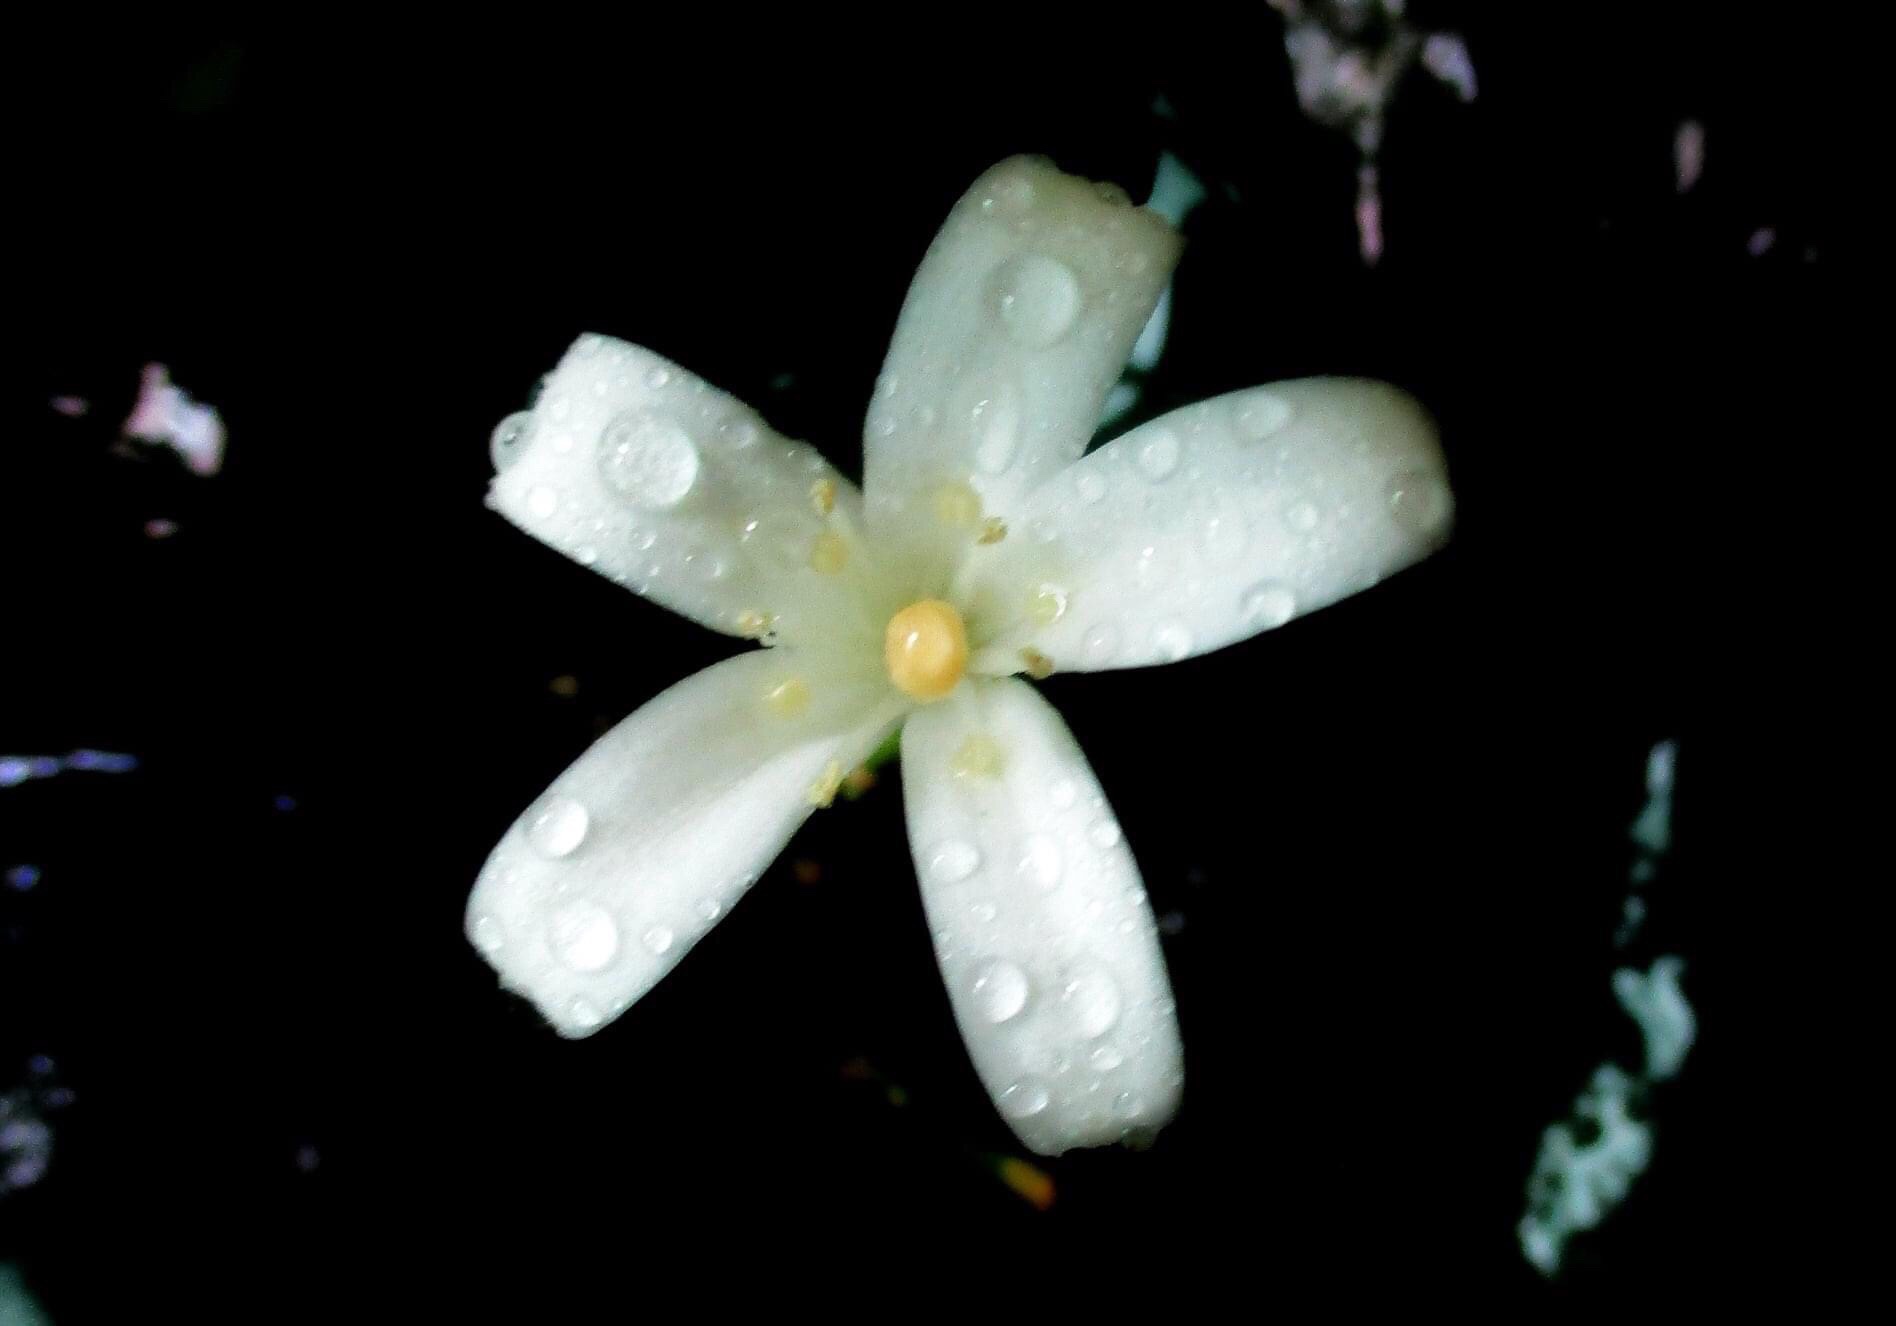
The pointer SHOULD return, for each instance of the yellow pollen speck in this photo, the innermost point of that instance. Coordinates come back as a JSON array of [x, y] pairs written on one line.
[[788, 698], [823, 790], [926, 649], [823, 496], [830, 553], [957, 505], [977, 757], [993, 531], [753, 623], [1046, 604], [1039, 666]]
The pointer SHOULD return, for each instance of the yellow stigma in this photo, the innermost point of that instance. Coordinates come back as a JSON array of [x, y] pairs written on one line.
[[926, 649]]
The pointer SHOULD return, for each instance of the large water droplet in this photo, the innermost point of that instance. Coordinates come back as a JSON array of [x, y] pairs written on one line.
[[1024, 1099], [996, 424], [1101, 643], [1092, 1003], [487, 935], [1039, 862], [953, 861], [648, 460], [1157, 456], [1173, 640], [1260, 414], [1000, 990], [1105, 834], [556, 825], [1420, 501], [582, 936], [1267, 605], [1038, 299], [509, 439]]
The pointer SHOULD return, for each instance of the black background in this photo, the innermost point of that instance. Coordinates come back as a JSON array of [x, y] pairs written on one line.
[[1393, 834]]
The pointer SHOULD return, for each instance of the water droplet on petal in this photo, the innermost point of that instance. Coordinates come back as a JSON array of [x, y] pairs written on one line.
[[1000, 990], [1024, 1099], [1038, 299], [1173, 640], [1105, 834], [509, 439], [953, 861], [1157, 456], [487, 935], [1128, 1105], [996, 424], [1101, 643], [1262, 414], [542, 501], [556, 825], [1092, 486], [584, 1013], [582, 936], [1105, 1058], [1092, 1003], [1302, 517], [1039, 863], [659, 938], [648, 460], [1064, 794], [658, 378], [984, 912], [710, 908], [1420, 502], [1267, 605]]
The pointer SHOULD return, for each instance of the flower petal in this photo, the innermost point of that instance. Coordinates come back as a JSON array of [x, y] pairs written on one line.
[[1041, 923], [642, 844], [632, 466], [1213, 523], [1017, 324]]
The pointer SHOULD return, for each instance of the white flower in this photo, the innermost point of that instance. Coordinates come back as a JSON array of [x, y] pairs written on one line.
[[982, 545]]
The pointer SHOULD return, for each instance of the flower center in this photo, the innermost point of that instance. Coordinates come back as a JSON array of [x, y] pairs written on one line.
[[926, 649]]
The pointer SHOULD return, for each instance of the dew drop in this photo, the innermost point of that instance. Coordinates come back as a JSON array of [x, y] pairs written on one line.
[[1092, 487], [1038, 299], [996, 425], [710, 908], [1105, 834], [1064, 793], [1092, 1003], [582, 936], [1262, 414], [584, 1013], [1024, 1099], [1157, 456], [509, 439], [648, 460], [658, 378], [1172, 640], [1420, 502], [487, 935], [542, 501], [1000, 990], [1106, 1057], [1302, 517], [953, 861], [659, 938], [1128, 1105], [1267, 605], [1039, 862], [984, 912], [556, 825], [1101, 643]]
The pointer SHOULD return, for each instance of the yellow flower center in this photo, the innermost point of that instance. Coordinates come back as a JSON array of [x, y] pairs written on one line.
[[926, 649]]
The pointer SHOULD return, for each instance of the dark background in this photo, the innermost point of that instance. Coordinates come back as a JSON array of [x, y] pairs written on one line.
[[1392, 837]]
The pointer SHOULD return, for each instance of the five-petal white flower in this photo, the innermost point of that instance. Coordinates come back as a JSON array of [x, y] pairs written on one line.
[[984, 544]]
